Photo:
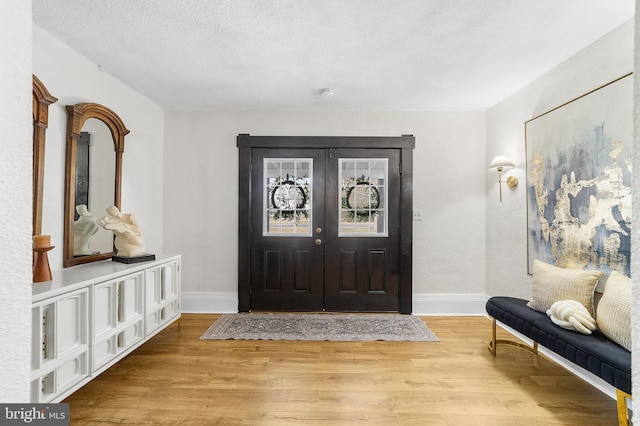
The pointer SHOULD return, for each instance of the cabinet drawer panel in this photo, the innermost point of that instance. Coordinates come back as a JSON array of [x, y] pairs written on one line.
[[71, 323], [170, 281], [131, 335], [152, 283], [38, 336], [162, 284], [163, 315], [103, 351], [54, 382], [104, 297], [43, 388], [71, 372], [132, 303], [154, 321], [171, 310]]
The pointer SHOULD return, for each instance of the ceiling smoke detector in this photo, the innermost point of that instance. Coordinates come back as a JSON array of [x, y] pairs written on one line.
[[326, 93]]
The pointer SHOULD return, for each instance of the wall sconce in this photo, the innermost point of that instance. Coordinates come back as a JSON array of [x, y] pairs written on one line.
[[499, 163]]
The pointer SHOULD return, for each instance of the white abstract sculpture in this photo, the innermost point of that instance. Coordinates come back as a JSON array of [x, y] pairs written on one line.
[[83, 230], [128, 241]]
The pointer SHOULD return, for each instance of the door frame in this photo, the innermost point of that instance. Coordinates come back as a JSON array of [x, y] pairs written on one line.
[[405, 144]]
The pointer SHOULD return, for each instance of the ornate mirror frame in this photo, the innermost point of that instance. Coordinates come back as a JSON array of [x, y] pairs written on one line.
[[76, 117], [41, 101]]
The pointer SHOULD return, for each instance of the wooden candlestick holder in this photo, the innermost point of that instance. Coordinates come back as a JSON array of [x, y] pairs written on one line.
[[41, 270]]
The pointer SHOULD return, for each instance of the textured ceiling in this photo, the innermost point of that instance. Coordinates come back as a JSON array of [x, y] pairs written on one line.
[[396, 55]]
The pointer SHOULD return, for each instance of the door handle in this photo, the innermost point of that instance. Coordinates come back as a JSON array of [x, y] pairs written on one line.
[[318, 230], [318, 241]]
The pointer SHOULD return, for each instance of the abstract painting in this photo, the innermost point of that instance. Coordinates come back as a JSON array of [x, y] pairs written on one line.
[[579, 181]]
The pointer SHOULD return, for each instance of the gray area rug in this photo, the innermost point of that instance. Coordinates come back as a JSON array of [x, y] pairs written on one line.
[[338, 327]]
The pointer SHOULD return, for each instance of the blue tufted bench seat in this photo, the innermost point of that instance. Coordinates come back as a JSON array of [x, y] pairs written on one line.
[[594, 352]]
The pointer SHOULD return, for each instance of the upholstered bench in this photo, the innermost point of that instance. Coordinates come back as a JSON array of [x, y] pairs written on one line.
[[594, 352]]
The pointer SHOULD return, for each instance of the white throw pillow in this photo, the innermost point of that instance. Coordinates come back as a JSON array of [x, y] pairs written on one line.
[[551, 284], [614, 310]]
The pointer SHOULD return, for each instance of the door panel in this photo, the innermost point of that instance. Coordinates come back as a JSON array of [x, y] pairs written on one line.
[[287, 266], [362, 268]]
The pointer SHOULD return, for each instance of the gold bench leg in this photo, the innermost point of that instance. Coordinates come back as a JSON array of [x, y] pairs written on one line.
[[623, 412], [492, 345]]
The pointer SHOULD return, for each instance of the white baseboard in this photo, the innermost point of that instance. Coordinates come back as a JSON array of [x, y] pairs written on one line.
[[423, 304], [209, 302], [450, 304]]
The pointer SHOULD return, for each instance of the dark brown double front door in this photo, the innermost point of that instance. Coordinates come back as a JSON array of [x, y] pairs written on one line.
[[325, 228]]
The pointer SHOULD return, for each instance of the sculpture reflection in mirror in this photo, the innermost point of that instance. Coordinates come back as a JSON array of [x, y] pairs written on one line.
[[95, 174], [128, 237], [41, 101], [83, 229], [97, 184]]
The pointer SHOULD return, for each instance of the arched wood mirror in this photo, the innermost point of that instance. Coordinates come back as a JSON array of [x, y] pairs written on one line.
[[93, 173], [41, 101]]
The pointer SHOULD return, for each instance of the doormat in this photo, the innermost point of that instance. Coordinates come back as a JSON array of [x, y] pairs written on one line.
[[333, 327]]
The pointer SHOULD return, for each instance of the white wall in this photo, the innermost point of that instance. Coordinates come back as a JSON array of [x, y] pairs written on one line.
[[605, 60], [15, 199], [73, 79], [201, 190]]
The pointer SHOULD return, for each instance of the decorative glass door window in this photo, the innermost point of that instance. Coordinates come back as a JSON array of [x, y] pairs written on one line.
[[287, 196], [363, 191]]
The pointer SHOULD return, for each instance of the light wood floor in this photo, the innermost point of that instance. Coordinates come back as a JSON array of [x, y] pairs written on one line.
[[177, 379]]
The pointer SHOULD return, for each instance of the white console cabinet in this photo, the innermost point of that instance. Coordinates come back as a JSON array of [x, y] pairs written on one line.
[[89, 317]]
